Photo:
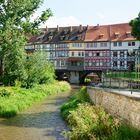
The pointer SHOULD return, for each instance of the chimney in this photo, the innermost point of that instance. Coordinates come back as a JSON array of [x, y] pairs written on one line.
[[96, 27], [71, 29], [57, 28], [87, 27], [46, 29], [80, 28]]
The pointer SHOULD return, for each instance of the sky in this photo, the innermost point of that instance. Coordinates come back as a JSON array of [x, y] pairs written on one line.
[[89, 12]]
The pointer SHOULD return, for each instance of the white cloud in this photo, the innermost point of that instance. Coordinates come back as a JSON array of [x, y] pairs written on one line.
[[62, 21]]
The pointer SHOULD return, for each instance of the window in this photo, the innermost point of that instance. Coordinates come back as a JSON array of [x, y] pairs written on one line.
[[101, 54], [86, 63], [121, 54], [86, 54], [115, 54], [117, 34], [90, 53], [90, 63], [97, 54], [120, 43], [74, 63], [115, 44], [79, 53], [58, 63], [115, 64], [72, 54], [131, 43], [91, 45], [93, 63], [79, 64], [62, 63], [82, 53], [95, 45], [97, 63], [101, 63], [128, 34], [88, 45], [122, 63], [103, 44]]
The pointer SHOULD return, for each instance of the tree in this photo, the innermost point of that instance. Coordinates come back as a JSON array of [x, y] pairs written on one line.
[[135, 23], [15, 24], [39, 70]]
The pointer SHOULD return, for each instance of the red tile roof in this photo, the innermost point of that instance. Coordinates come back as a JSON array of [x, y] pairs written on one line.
[[97, 33], [115, 32]]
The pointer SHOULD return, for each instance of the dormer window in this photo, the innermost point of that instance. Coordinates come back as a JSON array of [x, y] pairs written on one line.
[[117, 34], [78, 37], [50, 37], [128, 34], [101, 35], [51, 33], [66, 38], [61, 38]]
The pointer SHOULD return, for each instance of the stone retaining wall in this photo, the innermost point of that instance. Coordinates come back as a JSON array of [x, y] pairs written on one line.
[[127, 108]]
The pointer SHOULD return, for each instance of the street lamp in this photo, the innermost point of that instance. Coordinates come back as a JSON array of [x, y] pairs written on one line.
[[138, 62], [130, 52]]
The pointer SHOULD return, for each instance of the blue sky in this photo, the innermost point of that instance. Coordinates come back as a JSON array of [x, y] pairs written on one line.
[[90, 12]]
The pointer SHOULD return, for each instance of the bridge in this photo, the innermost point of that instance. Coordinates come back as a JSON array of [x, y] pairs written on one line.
[[76, 77], [80, 50]]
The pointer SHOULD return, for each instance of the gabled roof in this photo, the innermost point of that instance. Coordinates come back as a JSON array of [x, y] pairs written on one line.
[[99, 33], [115, 32], [122, 29], [60, 34]]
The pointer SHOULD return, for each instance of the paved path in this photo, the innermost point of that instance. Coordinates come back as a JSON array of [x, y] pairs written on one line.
[[40, 122], [133, 94]]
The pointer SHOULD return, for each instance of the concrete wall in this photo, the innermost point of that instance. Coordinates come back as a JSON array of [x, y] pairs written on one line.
[[74, 77], [127, 108]]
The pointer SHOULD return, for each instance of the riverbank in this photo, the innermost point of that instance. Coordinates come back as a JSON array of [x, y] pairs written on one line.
[[41, 121], [15, 99], [88, 121]]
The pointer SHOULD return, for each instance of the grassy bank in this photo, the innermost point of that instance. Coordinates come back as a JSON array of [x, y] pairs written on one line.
[[16, 99], [125, 75], [90, 122], [75, 100]]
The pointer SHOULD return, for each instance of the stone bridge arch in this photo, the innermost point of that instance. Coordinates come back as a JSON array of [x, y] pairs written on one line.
[[62, 75], [84, 74]]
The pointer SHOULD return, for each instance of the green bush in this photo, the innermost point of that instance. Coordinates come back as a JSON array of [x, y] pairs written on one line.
[[22, 98], [38, 70], [5, 93], [90, 122], [72, 104], [87, 80], [126, 132]]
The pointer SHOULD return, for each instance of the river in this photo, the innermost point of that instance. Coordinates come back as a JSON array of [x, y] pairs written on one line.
[[40, 122]]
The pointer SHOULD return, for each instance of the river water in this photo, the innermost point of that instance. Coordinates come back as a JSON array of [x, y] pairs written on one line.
[[40, 122]]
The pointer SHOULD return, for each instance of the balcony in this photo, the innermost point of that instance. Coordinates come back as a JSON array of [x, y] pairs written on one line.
[[75, 68], [61, 67]]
